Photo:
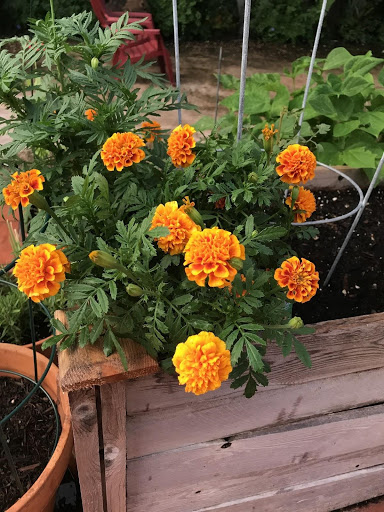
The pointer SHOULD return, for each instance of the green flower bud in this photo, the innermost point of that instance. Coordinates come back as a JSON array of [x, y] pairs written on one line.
[[294, 194], [94, 62], [295, 323], [253, 177], [39, 201], [105, 260], [236, 263], [134, 291]]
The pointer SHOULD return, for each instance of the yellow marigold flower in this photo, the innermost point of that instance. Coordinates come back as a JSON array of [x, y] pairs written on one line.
[[209, 253], [297, 164], [151, 131], [180, 225], [304, 206], [301, 278], [180, 145], [90, 114], [122, 150], [22, 186], [267, 132], [40, 270], [202, 362]]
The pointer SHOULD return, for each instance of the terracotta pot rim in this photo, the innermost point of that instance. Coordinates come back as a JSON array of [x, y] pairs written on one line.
[[38, 343], [65, 441]]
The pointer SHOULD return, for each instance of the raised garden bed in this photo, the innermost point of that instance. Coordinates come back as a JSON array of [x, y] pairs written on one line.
[[313, 440]]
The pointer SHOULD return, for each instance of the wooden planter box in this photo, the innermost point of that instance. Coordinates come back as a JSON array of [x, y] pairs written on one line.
[[313, 441]]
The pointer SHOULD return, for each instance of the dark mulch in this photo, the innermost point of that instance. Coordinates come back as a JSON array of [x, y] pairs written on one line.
[[357, 286], [30, 436]]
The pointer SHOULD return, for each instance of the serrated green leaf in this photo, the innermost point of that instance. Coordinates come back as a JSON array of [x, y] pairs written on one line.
[[250, 388], [236, 351], [302, 353], [112, 289], [158, 232], [103, 300], [182, 299], [254, 357], [96, 330]]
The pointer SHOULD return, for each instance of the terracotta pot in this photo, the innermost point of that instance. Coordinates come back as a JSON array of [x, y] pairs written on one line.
[[41, 496], [46, 352]]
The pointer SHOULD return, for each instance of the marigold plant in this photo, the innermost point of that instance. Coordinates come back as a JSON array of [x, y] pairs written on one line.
[[180, 226], [40, 270], [122, 150], [202, 363], [297, 164], [211, 254], [180, 146], [179, 253], [304, 205], [300, 277], [21, 187]]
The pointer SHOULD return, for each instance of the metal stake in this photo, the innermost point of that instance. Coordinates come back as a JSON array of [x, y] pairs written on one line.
[[218, 83], [244, 59], [312, 64], [177, 53]]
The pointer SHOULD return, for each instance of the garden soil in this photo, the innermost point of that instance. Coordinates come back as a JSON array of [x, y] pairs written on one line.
[[30, 435], [357, 286]]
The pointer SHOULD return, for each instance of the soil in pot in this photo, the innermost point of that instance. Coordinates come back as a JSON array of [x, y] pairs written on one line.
[[357, 286], [30, 434]]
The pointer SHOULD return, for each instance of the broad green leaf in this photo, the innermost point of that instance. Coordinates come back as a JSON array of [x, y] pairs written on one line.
[[353, 85], [381, 77], [280, 101], [329, 153], [337, 58], [205, 123], [362, 64], [344, 107], [229, 81], [322, 105], [359, 157], [342, 129], [373, 122]]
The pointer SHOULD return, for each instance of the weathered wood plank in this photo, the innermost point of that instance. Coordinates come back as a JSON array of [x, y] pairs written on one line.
[[224, 416], [323, 495], [86, 438], [209, 474], [85, 367], [338, 347], [114, 424]]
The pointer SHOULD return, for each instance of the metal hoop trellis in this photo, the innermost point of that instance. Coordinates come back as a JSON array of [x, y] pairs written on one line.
[[363, 199], [38, 382]]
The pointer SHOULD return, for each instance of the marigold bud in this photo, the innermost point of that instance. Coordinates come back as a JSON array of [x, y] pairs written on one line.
[[295, 323], [253, 177], [103, 259], [236, 263], [94, 62], [193, 214], [294, 195], [39, 201], [134, 291]]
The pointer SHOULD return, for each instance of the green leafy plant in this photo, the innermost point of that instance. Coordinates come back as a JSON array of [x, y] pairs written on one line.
[[344, 116], [61, 70], [121, 281]]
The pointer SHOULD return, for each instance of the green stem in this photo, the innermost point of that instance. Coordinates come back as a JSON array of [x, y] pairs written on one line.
[[57, 61]]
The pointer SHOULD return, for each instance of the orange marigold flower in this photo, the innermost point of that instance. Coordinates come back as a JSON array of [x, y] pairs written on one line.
[[90, 114], [151, 131], [22, 186], [267, 132], [297, 164], [180, 225], [220, 203], [122, 150], [300, 277], [202, 362], [40, 270], [180, 145], [304, 206], [208, 254]]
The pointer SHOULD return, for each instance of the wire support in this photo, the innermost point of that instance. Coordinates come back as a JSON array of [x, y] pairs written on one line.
[[177, 54], [244, 60]]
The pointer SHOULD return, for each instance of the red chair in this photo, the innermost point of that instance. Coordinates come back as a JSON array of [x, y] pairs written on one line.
[[106, 17], [148, 42]]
